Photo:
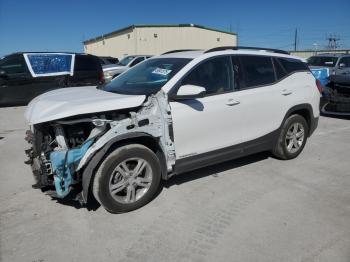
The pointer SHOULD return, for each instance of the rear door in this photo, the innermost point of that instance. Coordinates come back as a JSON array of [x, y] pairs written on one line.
[[87, 71], [261, 103]]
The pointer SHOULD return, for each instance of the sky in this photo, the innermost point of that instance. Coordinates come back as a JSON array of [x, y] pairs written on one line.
[[62, 25]]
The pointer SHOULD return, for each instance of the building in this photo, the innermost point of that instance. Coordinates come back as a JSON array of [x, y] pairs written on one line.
[[157, 39], [308, 53]]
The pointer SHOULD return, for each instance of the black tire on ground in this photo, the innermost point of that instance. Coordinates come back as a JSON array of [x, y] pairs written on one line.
[[103, 175], [280, 150]]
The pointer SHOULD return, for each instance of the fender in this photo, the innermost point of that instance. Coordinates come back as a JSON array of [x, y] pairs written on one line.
[[90, 168]]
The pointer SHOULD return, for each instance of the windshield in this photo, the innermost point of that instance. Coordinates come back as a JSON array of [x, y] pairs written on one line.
[[126, 60], [147, 77], [327, 61]]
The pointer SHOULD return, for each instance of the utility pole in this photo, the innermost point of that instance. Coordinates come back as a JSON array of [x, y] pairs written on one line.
[[295, 39]]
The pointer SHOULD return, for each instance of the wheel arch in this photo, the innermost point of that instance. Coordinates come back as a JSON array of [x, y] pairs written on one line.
[[131, 138], [305, 110]]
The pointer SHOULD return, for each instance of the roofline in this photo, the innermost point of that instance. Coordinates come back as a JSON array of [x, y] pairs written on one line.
[[132, 27], [324, 50]]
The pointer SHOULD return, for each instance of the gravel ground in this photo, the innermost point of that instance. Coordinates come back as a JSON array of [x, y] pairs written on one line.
[[253, 209]]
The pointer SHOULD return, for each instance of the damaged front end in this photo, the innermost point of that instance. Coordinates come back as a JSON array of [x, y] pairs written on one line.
[[57, 148], [61, 149]]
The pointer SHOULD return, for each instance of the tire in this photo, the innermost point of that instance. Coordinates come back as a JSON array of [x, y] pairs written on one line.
[[116, 176], [282, 149]]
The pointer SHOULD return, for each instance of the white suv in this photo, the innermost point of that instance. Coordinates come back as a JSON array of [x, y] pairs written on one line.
[[170, 114]]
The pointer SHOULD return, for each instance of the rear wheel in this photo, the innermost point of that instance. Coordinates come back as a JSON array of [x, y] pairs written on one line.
[[292, 138], [127, 179]]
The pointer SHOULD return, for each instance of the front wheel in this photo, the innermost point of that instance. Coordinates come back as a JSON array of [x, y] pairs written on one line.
[[127, 179], [292, 138]]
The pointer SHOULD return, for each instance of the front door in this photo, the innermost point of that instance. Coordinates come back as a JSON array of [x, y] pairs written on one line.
[[205, 124]]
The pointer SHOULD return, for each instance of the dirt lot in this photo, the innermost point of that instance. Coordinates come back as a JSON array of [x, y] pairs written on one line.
[[252, 209]]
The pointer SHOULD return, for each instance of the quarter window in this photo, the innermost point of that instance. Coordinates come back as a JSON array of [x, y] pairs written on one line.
[[292, 65], [258, 70], [280, 72], [214, 75]]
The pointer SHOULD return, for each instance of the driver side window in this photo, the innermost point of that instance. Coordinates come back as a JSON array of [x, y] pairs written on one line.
[[214, 75]]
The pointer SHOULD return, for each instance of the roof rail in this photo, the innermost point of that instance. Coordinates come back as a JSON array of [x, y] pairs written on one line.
[[180, 50], [222, 48]]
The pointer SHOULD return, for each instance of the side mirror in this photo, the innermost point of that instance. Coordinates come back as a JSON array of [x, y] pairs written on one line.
[[3, 74], [341, 65], [190, 92]]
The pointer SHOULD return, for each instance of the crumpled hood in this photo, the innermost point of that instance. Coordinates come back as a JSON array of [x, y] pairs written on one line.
[[66, 102]]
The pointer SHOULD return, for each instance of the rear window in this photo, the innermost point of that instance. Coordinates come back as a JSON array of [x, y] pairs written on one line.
[[257, 70], [113, 60], [291, 65], [86, 63], [326, 61]]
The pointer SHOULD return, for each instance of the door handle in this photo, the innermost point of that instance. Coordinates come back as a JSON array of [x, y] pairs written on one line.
[[232, 102], [286, 92]]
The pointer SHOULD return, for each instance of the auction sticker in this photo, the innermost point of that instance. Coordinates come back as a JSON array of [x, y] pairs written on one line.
[[161, 71]]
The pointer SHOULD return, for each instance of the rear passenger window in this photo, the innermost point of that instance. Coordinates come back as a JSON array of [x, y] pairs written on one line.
[[214, 75], [85, 63], [257, 70], [292, 65], [14, 65]]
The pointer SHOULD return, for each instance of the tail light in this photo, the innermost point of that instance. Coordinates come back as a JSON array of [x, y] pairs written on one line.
[[101, 77], [319, 86]]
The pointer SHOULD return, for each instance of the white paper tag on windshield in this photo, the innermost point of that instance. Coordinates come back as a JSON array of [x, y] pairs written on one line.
[[161, 71]]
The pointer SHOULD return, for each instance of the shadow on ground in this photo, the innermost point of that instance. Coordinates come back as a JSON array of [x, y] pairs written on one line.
[[215, 169], [73, 198]]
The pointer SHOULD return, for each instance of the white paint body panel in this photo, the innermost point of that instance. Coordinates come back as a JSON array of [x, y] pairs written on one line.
[[208, 123], [73, 101]]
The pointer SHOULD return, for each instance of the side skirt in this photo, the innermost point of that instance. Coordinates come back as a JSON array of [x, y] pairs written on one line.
[[260, 144]]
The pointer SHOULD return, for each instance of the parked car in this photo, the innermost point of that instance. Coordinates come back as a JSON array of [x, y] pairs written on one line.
[[108, 60], [24, 76], [333, 70], [168, 115], [112, 71]]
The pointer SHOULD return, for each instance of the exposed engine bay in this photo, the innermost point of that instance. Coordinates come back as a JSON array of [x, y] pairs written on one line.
[[61, 148]]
